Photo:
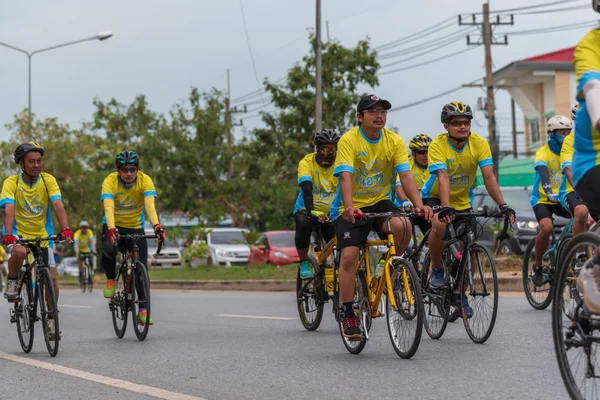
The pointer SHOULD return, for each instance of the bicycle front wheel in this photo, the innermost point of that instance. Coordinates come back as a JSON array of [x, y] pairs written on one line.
[[435, 304], [405, 321], [309, 298], [90, 279], [538, 296], [481, 295], [362, 309], [575, 332], [48, 310], [118, 305], [140, 294], [25, 314]]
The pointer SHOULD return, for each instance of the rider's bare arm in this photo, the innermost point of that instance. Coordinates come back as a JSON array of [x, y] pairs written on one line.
[[444, 184], [61, 214], [410, 187], [491, 184]]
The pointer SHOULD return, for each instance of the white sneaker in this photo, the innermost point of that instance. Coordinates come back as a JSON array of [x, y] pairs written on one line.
[[589, 285], [11, 292]]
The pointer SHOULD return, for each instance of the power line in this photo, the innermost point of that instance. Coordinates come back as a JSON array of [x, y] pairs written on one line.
[[426, 52], [553, 10], [250, 49], [428, 62], [550, 29], [422, 33], [530, 7]]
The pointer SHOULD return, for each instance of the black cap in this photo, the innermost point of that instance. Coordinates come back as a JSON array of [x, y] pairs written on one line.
[[369, 101]]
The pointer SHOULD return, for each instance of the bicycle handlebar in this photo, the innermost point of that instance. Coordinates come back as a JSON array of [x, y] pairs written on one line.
[[137, 236], [53, 238], [389, 214], [486, 212]]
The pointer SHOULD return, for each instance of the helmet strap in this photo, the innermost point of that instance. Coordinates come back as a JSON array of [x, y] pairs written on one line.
[[31, 178], [127, 185]]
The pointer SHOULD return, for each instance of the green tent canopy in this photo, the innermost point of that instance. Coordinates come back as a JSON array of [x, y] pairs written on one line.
[[513, 172]]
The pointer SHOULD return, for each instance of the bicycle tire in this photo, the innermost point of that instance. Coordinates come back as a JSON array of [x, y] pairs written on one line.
[[470, 323], [311, 313], [405, 348], [539, 297], [569, 336], [454, 314], [1, 277], [83, 281], [46, 293], [118, 305], [141, 330], [25, 314], [435, 325], [361, 302]]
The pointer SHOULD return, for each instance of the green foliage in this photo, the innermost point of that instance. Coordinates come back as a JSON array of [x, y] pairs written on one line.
[[198, 250]]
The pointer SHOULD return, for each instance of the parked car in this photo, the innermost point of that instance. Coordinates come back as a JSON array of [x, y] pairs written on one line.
[[170, 255], [526, 227], [68, 267], [276, 248], [226, 247]]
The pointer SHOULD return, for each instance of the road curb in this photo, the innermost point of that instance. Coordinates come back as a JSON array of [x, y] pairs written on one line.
[[505, 284]]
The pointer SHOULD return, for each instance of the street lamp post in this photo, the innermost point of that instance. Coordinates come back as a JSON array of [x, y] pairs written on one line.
[[101, 36]]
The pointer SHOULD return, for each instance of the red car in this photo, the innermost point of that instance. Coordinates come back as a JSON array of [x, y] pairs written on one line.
[[275, 248]]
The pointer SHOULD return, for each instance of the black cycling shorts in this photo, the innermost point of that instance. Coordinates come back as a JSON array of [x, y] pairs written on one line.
[[305, 226], [542, 211], [572, 200], [355, 234], [588, 189]]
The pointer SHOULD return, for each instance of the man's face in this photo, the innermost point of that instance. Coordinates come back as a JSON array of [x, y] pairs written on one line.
[[373, 118], [32, 163], [458, 127], [128, 173], [420, 157], [328, 153], [83, 229]]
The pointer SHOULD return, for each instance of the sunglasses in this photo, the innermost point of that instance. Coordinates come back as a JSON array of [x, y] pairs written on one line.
[[421, 152], [328, 149], [128, 170], [460, 123]]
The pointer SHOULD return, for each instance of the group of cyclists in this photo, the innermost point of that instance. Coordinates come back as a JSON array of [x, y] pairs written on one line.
[[27, 199], [368, 169]]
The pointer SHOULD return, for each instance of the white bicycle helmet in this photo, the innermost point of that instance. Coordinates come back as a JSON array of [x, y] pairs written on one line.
[[559, 122]]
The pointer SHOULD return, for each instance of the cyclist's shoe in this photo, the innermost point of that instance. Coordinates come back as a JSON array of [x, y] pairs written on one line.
[[142, 318], [467, 308], [579, 262], [305, 270], [11, 293], [109, 289], [537, 277], [437, 277], [350, 328], [588, 282], [51, 329]]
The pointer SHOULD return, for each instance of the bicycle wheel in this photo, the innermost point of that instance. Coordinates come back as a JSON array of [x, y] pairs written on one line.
[[140, 273], [538, 296], [405, 333], [482, 294], [575, 332], [309, 298], [454, 313], [24, 313], [90, 280], [435, 306], [83, 280], [118, 305], [362, 308], [48, 310]]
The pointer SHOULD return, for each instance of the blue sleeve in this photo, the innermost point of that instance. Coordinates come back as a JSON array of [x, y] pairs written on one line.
[[485, 162], [150, 193], [402, 167], [304, 179], [437, 167], [343, 168]]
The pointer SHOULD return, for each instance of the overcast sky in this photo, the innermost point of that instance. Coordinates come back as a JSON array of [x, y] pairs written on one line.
[[161, 48]]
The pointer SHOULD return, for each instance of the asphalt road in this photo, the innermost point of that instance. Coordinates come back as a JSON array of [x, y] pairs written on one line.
[[199, 346]]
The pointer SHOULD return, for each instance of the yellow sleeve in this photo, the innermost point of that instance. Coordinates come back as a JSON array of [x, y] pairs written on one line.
[[401, 156], [485, 154], [77, 235], [566, 151], [304, 170], [52, 186], [109, 212], [436, 156], [150, 209], [344, 160], [9, 188], [540, 158], [586, 59]]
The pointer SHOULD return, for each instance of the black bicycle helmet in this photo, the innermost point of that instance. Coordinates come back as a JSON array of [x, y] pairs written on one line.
[[326, 136], [127, 157], [25, 148], [454, 109], [420, 142]]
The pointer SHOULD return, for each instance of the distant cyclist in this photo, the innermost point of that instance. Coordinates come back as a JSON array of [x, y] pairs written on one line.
[[85, 245], [317, 190], [127, 194]]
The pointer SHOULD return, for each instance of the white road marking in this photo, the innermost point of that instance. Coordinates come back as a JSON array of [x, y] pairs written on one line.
[[72, 306], [104, 380], [254, 316]]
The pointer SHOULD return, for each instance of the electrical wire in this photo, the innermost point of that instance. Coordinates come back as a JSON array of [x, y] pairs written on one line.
[[422, 33], [446, 56], [550, 29], [250, 50]]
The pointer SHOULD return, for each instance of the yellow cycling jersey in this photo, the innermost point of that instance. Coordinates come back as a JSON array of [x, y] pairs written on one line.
[[546, 157], [461, 166], [373, 164], [421, 175], [3, 255], [83, 241], [566, 159], [129, 204], [587, 139], [32, 205], [323, 181]]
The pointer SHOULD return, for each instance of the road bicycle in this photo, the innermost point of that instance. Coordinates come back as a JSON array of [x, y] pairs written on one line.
[[86, 280]]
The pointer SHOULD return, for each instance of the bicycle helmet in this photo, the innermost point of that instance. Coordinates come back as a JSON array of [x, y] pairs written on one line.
[[574, 111], [420, 142], [84, 224], [127, 157], [454, 109], [25, 148], [559, 122], [326, 136]]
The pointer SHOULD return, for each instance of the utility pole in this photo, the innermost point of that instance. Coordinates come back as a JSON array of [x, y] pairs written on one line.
[[485, 28], [327, 27], [318, 77], [514, 127], [228, 125]]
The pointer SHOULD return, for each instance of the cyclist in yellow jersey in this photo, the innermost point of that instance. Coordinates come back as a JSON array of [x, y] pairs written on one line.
[[84, 244], [26, 199], [368, 158], [126, 194], [418, 163], [317, 189], [586, 159], [3, 258], [453, 158]]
